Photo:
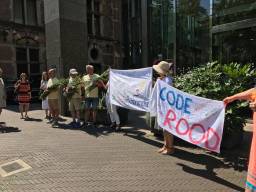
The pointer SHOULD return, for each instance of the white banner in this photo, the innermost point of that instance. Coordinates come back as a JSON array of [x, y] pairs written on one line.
[[194, 119], [131, 88]]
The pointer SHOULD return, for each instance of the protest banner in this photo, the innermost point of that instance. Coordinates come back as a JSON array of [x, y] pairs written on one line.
[[194, 119], [131, 89]]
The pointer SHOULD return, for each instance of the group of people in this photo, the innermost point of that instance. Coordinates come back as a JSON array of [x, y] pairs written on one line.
[[82, 95], [91, 101]]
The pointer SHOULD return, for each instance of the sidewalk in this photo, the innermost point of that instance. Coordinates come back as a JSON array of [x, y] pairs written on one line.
[[100, 160]]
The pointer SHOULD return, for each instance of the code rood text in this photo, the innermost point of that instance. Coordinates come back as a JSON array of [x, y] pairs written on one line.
[[207, 137]]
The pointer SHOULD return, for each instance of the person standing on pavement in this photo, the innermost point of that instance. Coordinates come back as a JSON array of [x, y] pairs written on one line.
[[112, 110], [53, 97], [43, 87], [22, 88], [249, 95], [75, 100], [162, 69], [2, 93], [91, 96]]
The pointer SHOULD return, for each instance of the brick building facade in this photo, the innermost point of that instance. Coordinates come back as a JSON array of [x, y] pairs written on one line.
[[22, 39], [82, 32], [38, 34]]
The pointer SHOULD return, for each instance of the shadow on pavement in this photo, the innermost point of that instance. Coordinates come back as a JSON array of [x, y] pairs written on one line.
[[60, 119], [32, 107], [98, 131], [6, 129], [210, 160], [33, 119], [210, 175]]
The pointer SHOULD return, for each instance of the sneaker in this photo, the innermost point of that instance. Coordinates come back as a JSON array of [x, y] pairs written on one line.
[[83, 125], [50, 120], [72, 124], [55, 124], [76, 125]]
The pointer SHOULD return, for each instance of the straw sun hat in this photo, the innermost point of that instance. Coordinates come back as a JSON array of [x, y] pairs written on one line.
[[162, 67]]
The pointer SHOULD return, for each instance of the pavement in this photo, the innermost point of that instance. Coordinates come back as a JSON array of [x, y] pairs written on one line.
[[98, 159]]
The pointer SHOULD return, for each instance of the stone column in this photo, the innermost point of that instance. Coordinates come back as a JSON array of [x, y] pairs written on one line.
[[66, 35]]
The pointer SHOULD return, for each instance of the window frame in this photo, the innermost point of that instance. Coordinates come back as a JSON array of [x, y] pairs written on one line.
[[28, 61], [95, 16], [25, 13]]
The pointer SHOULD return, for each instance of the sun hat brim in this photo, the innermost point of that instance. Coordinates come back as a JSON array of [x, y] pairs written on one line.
[[159, 70]]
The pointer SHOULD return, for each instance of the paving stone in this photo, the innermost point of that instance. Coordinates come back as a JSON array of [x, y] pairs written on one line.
[[98, 160]]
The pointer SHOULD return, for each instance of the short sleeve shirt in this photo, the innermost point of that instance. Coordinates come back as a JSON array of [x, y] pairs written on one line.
[[54, 94], [88, 80]]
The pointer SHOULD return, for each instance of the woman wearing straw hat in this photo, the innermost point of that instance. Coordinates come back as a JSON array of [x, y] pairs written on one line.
[[162, 69]]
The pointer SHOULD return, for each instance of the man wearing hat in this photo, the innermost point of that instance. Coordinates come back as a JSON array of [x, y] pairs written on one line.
[[53, 97], [75, 100], [162, 69]]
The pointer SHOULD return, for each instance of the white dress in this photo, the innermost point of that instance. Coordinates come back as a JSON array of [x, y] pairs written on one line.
[[45, 105], [2, 94], [112, 109]]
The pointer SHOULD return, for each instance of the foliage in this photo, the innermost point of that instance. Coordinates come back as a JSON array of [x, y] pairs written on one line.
[[54, 87], [102, 101], [73, 87], [217, 81], [103, 77]]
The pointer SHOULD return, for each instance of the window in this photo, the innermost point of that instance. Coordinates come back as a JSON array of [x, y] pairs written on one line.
[[34, 61], [93, 17], [21, 60], [97, 25], [33, 55], [21, 55], [31, 12], [25, 12], [19, 15], [89, 24], [27, 60], [96, 7]]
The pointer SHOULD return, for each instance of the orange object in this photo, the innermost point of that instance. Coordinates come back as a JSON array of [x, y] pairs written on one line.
[[253, 96], [251, 175]]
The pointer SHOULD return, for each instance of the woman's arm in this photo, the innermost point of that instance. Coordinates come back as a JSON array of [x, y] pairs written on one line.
[[17, 84], [246, 95]]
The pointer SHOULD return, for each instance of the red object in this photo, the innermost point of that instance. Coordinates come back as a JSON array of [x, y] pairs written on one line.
[[23, 92], [251, 175]]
